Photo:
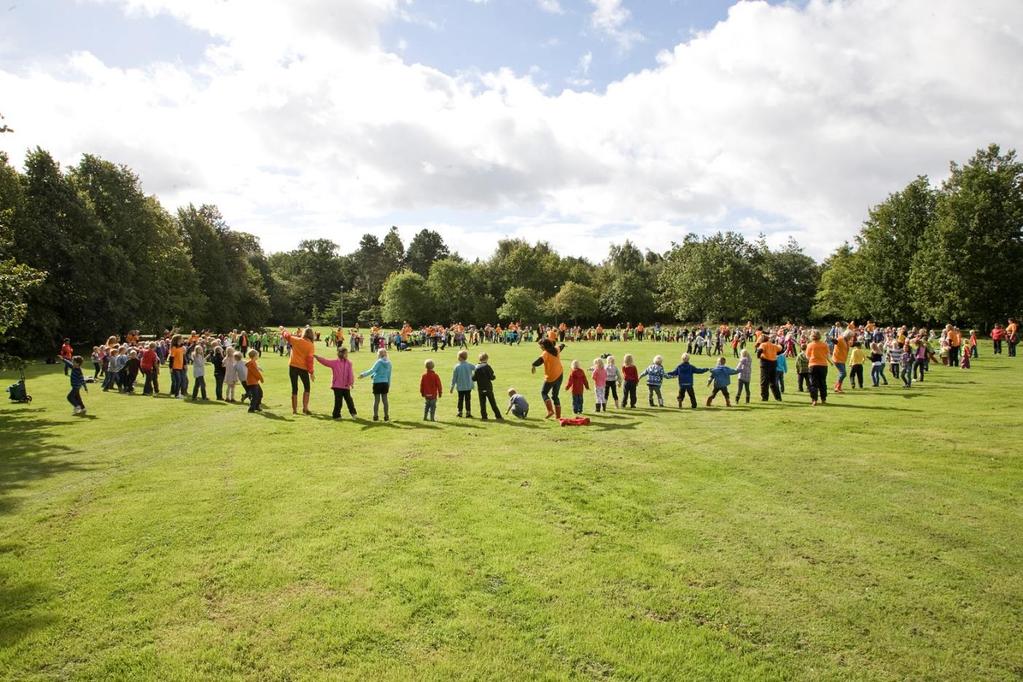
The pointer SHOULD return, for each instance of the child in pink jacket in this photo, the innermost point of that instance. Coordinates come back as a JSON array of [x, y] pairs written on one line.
[[599, 376], [342, 381]]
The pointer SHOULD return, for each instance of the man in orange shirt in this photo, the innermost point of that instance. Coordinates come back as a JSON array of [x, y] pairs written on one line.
[[955, 342], [768, 351]]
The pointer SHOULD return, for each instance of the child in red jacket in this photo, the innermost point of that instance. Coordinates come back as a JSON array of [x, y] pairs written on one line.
[[430, 388], [576, 385]]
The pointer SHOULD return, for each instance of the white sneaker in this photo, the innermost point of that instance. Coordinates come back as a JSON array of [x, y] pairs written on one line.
[[77, 410], [82, 412]]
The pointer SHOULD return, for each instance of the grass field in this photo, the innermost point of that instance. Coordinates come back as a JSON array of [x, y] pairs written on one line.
[[880, 537]]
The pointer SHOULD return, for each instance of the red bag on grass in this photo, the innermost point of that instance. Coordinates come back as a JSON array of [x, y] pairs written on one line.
[[575, 421]]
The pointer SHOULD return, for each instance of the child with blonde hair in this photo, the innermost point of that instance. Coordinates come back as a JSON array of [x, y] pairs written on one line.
[[599, 375], [654, 378], [613, 377], [253, 379], [483, 375], [461, 380], [381, 373], [517, 404], [721, 376], [631, 374], [230, 374], [576, 385]]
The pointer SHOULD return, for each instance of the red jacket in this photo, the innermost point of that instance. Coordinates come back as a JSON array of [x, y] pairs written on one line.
[[430, 386], [631, 373], [577, 382], [148, 361]]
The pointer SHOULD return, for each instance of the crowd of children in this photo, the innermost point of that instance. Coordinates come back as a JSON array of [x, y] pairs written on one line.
[[232, 360]]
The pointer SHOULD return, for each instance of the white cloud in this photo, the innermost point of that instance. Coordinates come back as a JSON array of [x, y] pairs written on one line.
[[611, 18], [550, 6], [298, 124]]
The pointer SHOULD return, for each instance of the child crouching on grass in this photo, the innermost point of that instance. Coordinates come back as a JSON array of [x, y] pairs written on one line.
[[517, 404], [431, 390], [253, 379], [576, 385], [721, 376]]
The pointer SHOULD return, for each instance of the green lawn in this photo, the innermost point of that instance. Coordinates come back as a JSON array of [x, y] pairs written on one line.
[[880, 537]]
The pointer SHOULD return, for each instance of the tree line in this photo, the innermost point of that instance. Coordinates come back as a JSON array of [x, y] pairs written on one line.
[[85, 252]]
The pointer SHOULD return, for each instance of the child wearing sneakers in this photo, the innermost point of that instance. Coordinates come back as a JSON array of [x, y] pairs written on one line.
[[654, 378], [517, 404], [431, 390], [576, 385], [484, 377], [599, 375], [721, 375]]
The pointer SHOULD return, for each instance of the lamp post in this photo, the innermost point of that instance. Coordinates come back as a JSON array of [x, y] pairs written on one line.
[[342, 302]]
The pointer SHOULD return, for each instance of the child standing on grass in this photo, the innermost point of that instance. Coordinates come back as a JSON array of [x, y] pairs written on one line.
[[97, 362], [967, 354], [230, 374], [576, 385], [179, 375], [685, 372], [253, 379], [74, 367], [517, 404], [613, 377], [856, 358], [242, 373], [484, 377], [599, 375], [654, 378], [431, 390], [199, 372], [631, 374], [381, 373], [342, 380], [802, 369], [877, 365], [907, 365], [781, 366], [745, 370], [721, 375], [461, 380]]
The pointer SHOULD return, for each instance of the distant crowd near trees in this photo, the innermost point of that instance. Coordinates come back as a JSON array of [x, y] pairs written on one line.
[[85, 252]]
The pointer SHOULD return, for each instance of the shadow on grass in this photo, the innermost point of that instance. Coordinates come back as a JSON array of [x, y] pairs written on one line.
[[29, 453], [270, 415]]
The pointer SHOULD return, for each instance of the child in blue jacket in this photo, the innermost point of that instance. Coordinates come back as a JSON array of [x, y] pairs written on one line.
[[685, 373], [654, 378], [721, 375], [461, 380], [77, 383]]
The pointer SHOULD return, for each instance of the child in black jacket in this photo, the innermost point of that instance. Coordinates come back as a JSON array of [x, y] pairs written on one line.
[[484, 378]]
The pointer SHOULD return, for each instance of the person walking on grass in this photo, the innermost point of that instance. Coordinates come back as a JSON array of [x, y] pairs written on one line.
[[300, 368], [77, 377], [768, 352], [484, 377], [721, 375], [684, 372], [253, 379], [840, 356], [654, 374]]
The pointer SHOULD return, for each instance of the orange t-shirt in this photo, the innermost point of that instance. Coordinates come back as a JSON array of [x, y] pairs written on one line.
[[302, 350], [769, 351], [177, 355], [841, 351], [552, 368], [955, 339], [817, 351]]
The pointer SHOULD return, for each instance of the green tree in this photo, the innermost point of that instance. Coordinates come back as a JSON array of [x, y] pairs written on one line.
[[453, 287], [425, 248], [887, 244], [574, 302], [839, 296], [967, 269], [717, 278], [521, 305], [393, 251], [405, 297], [791, 278]]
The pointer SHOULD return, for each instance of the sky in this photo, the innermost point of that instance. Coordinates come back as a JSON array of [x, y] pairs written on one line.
[[579, 122]]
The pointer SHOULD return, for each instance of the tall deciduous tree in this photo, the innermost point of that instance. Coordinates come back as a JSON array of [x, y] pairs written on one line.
[[717, 278], [424, 249], [574, 302], [406, 297], [968, 266], [521, 305]]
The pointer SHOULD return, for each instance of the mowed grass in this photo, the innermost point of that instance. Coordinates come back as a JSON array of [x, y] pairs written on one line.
[[880, 537]]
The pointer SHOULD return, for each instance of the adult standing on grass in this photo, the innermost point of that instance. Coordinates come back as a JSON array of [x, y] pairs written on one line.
[[303, 348], [1012, 336], [768, 351], [553, 373], [839, 356], [817, 355]]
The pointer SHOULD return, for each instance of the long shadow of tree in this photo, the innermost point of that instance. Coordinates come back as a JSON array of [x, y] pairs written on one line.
[[28, 454]]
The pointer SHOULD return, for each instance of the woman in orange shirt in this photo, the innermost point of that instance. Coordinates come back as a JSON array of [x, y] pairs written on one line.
[[817, 352], [303, 348], [839, 356], [553, 373]]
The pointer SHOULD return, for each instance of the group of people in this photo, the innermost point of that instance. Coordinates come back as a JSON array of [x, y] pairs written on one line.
[[233, 360]]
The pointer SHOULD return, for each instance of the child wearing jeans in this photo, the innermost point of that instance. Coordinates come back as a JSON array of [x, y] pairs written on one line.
[[877, 365], [253, 379], [74, 366], [484, 376], [599, 375], [517, 404], [654, 378], [685, 372], [907, 365], [576, 385], [856, 359], [431, 390], [631, 374], [802, 369], [461, 380], [721, 376], [381, 373]]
